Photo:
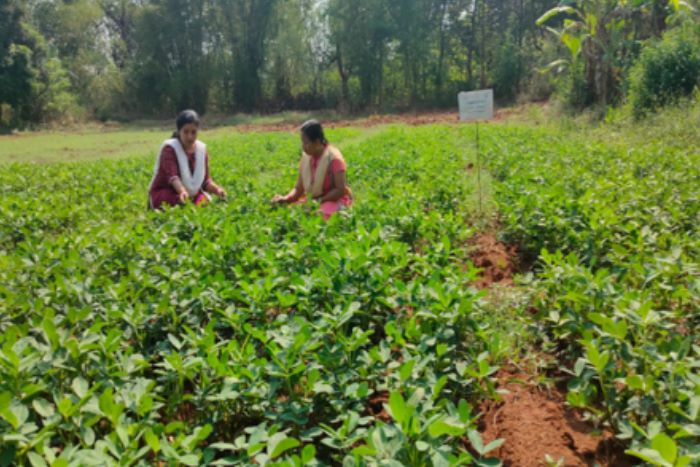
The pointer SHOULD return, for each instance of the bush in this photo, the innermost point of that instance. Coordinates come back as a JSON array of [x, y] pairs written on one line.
[[509, 72], [572, 90], [666, 71], [57, 103]]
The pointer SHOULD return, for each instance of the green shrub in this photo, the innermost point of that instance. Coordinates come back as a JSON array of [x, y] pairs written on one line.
[[572, 89], [666, 71], [509, 71]]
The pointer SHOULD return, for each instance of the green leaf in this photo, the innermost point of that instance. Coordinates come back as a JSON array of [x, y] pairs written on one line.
[[489, 462], [6, 412], [477, 443], [203, 433], [43, 407], [36, 460], [597, 359], [223, 446], [635, 382], [688, 430], [172, 427], [445, 426], [397, 406], [406, 370], [107, 402], [190, 459], [665, 446], [422, 446], [439, 385], [620, 330], [495, 444], [364, 450], [554, 12], [280, 443], [80, 387], [50, 332], [5, 400], [255, 448], [649, 455], [694, 407], [465, 411], [175, 341], [64, 406], [152, 440], [21, 414], [88, 435], [308, 454]]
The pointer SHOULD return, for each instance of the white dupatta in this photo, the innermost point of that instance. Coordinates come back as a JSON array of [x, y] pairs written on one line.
[[315, 189], [191, 181]]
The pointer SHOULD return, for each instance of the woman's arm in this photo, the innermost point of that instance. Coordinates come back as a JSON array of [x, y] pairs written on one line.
[[180, 189], [340, 182], [213, 188], [168, 165], [293, 196], [209, 185]]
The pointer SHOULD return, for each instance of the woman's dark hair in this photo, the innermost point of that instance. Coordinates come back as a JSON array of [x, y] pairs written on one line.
[[186, 117], [314, 131]]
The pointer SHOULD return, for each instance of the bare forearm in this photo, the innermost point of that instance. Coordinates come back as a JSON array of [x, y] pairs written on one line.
[[178, 186], [212, 187], [333, 195], [293, 196]]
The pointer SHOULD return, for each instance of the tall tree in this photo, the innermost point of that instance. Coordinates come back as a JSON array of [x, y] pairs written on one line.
[[246, 24], [360, 32], [172, 67], [120, 20], [16, 70]]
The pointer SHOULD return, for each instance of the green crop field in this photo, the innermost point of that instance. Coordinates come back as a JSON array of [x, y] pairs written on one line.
[[244, 334]]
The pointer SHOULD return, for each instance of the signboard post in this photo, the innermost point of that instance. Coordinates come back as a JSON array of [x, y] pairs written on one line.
[[473, 107]]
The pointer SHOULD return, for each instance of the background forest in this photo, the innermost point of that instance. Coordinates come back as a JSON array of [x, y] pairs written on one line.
[[76, 60]]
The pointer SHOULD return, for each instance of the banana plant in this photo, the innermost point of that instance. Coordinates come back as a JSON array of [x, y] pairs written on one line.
[[595, 32]]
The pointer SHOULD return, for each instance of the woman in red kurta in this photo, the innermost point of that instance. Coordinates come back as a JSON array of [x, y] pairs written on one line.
[[182, 167], [322, 173]]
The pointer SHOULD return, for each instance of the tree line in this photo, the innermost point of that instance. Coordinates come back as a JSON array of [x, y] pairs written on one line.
[[125, 59]]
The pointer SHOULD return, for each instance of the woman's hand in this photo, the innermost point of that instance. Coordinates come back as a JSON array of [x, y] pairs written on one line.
[[183, 196], [215, 189], [221, 193], [278, 199]]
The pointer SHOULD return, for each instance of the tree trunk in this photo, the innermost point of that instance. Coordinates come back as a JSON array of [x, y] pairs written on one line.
[[482, 53], [344, 90]]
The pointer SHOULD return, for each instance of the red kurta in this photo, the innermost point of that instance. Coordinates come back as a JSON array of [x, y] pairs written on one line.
[[162, 190]]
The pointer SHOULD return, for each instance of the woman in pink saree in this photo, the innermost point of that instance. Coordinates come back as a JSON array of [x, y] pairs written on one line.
[[322, 174]]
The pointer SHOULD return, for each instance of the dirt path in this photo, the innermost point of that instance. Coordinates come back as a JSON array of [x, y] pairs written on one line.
[[498, 262], [536, 424], [538, 427], [414, 118]]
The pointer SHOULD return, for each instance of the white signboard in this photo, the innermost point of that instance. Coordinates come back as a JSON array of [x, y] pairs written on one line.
[[476, 105]]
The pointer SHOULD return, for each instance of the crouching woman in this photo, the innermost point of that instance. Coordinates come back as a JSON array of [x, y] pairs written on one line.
[[322, 173], [181, 172]]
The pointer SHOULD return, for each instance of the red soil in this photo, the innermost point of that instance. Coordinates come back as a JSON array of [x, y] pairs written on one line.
[[496, 260], [535, 424]]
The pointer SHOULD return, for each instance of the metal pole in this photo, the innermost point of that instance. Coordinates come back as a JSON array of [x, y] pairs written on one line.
[[478, 168]]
